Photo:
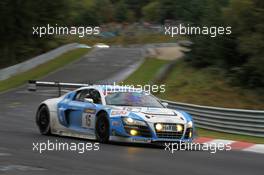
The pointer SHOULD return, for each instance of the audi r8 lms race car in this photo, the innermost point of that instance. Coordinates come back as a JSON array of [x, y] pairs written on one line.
[[110, 113]]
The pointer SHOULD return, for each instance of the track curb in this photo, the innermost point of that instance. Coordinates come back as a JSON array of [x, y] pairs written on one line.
[[235, 145]]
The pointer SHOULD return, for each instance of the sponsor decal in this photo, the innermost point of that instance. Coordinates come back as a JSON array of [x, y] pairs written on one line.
[[132, 109], [90, 111], [119, 113], [115, 123]]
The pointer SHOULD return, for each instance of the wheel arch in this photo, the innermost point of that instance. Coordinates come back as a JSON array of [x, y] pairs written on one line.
[[47, 129], [40, 106], [102, 112], [52, 106]]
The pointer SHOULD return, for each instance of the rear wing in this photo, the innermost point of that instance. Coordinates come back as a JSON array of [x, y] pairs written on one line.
[[33, 84]]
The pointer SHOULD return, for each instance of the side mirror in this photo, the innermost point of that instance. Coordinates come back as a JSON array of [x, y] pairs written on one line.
[[88, 100], [165, 104]]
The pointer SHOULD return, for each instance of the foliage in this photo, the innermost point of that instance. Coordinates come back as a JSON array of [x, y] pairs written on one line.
[[240, 55], [17, 19], [151, 11]]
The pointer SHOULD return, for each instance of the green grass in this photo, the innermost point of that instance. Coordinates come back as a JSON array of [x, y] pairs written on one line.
[[207, 87], [124, 39], [222, 135], [204, 87], [145, 72], [42, 69]]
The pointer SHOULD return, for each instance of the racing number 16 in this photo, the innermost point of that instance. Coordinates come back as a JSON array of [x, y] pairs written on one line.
[[86, 120]]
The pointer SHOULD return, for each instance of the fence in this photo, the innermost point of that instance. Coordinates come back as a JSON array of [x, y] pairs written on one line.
[[237, 121], [31, 63]]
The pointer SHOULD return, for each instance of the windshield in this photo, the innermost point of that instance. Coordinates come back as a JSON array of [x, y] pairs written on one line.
[[132, 99]]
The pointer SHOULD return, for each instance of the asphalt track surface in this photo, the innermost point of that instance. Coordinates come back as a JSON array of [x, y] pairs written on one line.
[[18, 132]]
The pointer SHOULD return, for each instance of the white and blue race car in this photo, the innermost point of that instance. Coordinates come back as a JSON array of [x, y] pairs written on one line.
[[109, 113]]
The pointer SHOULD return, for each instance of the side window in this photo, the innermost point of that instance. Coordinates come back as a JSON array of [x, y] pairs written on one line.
[[95, 95], [81, 95], [88, 93]]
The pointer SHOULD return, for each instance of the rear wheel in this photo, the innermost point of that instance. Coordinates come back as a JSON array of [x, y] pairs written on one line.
[[102, 129], [43, 120]]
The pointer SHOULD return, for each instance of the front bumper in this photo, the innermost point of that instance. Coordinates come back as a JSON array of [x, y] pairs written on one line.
[[120, 132], [147, 140]]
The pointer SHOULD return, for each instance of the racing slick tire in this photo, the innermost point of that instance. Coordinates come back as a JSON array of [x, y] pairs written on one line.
[[102, 128], [43, 120]]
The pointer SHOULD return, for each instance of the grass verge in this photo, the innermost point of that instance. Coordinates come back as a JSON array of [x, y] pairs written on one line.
[[42, 69], [145, 72], [124, 39], [221, 135], [207, 87], [204, 87]]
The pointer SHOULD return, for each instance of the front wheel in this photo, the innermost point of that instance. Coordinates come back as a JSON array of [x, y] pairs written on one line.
[[43, 120], [102, 129]]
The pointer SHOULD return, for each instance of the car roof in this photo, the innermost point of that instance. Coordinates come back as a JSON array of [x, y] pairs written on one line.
[[116, 88]]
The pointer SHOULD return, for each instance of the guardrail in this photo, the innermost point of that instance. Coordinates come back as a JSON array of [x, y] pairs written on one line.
[[5, 73], [236, 121]]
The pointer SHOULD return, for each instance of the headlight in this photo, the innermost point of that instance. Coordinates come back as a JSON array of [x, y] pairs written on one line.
[[133, 132], [130, 121], [158, 127], [179, 128], [190, 124], [190, 134]]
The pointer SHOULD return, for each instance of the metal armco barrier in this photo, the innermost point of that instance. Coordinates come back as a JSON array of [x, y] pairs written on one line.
[[7, 72], [236, 121]]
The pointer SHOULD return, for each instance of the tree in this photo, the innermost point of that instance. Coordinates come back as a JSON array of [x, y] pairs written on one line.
[[240, 55], [151, 12], [209, 51], [247, 18], [17, 19], [121, 12]]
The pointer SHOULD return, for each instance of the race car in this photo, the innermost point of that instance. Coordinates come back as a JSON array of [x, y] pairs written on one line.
[[111, 113]]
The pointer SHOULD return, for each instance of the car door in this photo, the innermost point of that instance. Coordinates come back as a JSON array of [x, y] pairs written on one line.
[[73, 113], [81, 112]]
